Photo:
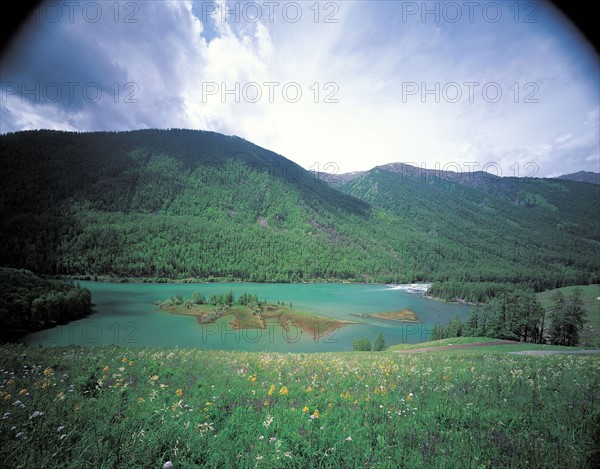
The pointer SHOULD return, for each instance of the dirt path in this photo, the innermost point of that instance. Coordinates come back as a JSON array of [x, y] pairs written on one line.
[[555, 352], [452, 347]]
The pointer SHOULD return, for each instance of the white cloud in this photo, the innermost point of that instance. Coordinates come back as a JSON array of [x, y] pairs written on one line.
[[369, 56]]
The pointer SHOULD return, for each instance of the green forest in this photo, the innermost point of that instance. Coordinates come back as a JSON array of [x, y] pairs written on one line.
[[29, 303], [174, 204]]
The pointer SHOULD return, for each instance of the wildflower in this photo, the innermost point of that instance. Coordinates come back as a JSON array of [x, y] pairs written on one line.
[[283, 391], [271, 390], [106, 368], [131, 363], [124, 360], [48, 371], [35, 414], [6, 415], [254, 381], [17, 403], [168, 465], [18, 435], [315, 414], [309, 389], [349, 438], [60, 429], [261, 438], [60, 396], [305, 409], [62, 437], [179, 392], [409, 397], [10, 382], [141, 399], [272, 439], [266, 403], [259, 457], [22, 392], [268, 422], [206, 427], [153, 378]]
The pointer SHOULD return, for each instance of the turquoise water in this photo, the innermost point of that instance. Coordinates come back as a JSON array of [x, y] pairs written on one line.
[[125, 314]]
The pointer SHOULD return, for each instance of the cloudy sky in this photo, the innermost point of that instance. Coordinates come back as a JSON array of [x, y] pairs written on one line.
[[510, 87]]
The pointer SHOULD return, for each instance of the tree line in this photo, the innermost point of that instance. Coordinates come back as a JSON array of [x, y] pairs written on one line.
[[29, 303], [518, 315]]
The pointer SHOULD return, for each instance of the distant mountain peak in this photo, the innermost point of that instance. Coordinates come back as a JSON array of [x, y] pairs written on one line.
[[582, 176]]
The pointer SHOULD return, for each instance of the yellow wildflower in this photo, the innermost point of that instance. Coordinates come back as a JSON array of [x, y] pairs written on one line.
[[305, 409], [11, 382], [309, 389], [315, 414], [124, 360], [141, 399], [266, 403], [7, 397], [131, 363], [409, 397], [271, 389], [208, 403], [48, 371], [106, 368], [254, 379], [153, 378], [179, 392], [283, 391], [22, 392]]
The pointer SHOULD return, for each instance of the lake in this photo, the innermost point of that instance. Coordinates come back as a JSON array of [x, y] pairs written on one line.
[[125, 314]]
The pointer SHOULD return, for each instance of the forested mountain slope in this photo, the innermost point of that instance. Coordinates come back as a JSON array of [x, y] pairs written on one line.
[[537, 231], [181, 203], [167, 204]]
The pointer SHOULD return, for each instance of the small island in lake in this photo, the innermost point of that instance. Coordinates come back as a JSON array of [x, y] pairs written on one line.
[[404, 315], [249, 313]]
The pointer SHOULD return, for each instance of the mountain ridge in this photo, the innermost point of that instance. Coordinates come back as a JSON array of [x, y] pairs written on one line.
[[177, 204]]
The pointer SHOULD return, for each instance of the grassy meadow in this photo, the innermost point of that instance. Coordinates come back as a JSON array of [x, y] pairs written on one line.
[[141, 407]]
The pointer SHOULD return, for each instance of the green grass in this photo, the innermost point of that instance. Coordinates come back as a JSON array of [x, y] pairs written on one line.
[[120, 407], [591, 332]]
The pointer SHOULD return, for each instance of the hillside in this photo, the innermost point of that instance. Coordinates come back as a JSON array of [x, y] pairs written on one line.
[[537, 231], [582, 176], [179, 204]]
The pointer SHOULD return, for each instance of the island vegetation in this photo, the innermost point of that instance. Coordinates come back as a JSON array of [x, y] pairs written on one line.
[[403, 315], [249, 312]]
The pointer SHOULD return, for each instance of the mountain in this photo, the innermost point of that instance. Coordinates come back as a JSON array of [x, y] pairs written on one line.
[[582, 176], [179, 204], [507, 229]]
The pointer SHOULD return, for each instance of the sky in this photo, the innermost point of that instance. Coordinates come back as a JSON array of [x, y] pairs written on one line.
[[508, 87]]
